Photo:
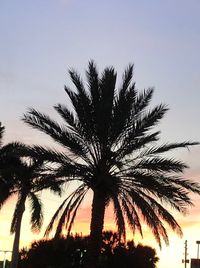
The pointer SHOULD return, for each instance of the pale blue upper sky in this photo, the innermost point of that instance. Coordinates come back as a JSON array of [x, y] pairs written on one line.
[[41, 39]]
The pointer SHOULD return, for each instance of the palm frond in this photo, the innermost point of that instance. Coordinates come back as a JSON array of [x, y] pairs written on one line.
[[6, 192], [131, 144], [60, 134], [142, 101], [93, 86], [150, 217], [184, 183], [107, 91], [84, 112], [122, 114], [69, 118], [163, 214], [49, 155], [119, 217], [147, 121], [163, 188], [134, 104], [131, 214], [162, 165], [15, 149], [71, 222], [126, 80], [169, 146], [55, 217], [36, 212], [66, 220], [64, 211]]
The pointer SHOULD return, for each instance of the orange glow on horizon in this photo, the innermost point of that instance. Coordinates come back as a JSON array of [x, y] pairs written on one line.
[[190, 225]]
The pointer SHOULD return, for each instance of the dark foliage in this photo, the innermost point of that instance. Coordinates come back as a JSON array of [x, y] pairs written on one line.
[[25, 178], [71, 253]]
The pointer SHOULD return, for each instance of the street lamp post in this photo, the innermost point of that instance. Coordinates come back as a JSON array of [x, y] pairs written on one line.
[[4, 259], [198, 243]]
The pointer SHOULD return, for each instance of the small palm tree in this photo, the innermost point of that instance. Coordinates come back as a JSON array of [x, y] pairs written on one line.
[[30, 178], [111, 148], [23, 178]]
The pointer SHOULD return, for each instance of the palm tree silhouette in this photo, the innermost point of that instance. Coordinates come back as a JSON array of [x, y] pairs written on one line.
[[24, 178], [111, 148]]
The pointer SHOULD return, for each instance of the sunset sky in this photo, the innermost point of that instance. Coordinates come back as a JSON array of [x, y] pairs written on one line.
[[41, 39]]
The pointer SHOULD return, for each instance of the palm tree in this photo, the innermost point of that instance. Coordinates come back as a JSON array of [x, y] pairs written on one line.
[[110, 147], [24, 178]]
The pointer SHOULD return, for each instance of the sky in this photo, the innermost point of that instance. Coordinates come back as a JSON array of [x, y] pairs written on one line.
[[41, 39]]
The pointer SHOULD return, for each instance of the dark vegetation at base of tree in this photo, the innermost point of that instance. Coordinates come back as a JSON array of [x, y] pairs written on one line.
[[71, 252]]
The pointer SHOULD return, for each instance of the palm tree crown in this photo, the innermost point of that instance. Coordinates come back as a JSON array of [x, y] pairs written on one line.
[[110, 146], [23, 177]]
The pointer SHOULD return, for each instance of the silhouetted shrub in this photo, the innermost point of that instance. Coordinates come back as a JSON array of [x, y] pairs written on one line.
[[71, 252]]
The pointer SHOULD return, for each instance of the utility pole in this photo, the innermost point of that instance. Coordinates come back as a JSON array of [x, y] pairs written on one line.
[[185, 260]]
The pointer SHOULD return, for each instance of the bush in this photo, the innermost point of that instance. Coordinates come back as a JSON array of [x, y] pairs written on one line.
[[71, 252]]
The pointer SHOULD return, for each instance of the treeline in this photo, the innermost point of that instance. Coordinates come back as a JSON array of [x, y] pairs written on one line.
[[71, 252]]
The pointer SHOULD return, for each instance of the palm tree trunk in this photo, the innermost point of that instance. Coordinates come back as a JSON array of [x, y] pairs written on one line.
[[15, 251], [96, 228]]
